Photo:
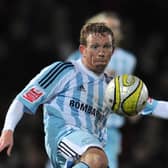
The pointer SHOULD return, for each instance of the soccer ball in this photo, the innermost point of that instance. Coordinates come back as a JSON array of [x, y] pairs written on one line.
[[126, 95]]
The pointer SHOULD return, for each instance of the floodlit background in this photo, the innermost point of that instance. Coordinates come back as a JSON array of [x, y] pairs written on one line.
[[35, 33]]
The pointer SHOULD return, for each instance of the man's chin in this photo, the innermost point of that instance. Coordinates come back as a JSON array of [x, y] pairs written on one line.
[[100, 67]]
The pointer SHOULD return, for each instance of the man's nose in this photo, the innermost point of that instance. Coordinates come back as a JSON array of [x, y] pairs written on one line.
[[101, 52]]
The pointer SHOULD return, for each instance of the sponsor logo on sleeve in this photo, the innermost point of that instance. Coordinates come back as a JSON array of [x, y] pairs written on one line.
[[33, 94]]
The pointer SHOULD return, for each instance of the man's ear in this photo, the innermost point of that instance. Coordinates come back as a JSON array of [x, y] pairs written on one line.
[[82, 49]]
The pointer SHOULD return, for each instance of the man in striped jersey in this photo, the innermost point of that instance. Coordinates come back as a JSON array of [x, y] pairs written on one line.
[[122, 62], [74, 111], [72, 97]]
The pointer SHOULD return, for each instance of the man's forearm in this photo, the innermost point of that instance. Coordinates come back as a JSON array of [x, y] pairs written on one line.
[[13, 115], [161, 110]]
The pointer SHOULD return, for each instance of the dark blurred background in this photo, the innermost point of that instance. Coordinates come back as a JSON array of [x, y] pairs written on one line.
[[35, 33]]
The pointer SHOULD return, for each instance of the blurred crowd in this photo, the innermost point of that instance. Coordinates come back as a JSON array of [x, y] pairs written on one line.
[[35, 33]]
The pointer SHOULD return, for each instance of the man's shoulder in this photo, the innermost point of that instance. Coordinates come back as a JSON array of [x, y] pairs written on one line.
[[74, 56], [124, 52], [58, 67], [62, 64]]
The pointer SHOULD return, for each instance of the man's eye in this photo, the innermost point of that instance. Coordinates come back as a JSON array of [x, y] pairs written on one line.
[[94, 46], [108, 46]]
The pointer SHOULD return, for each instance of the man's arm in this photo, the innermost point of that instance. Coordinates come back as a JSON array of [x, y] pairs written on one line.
[[13, 116], [157, 108], [161, 110]]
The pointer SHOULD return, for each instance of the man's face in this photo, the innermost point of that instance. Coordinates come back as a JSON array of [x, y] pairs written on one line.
[[97, 52]]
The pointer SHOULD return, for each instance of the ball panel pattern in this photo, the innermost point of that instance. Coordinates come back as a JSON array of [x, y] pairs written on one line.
[[126, 95]]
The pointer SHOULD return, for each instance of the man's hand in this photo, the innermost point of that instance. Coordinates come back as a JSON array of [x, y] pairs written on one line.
[[6, 141]]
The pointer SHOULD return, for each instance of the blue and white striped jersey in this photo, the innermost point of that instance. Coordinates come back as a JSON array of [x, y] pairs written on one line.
[[122, 62], [71, 95]]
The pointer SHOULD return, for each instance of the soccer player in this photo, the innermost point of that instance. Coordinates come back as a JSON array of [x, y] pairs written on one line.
[[72, 96], [122, 62]]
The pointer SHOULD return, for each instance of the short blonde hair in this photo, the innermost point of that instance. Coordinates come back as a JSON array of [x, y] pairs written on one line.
[[91, 28]]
